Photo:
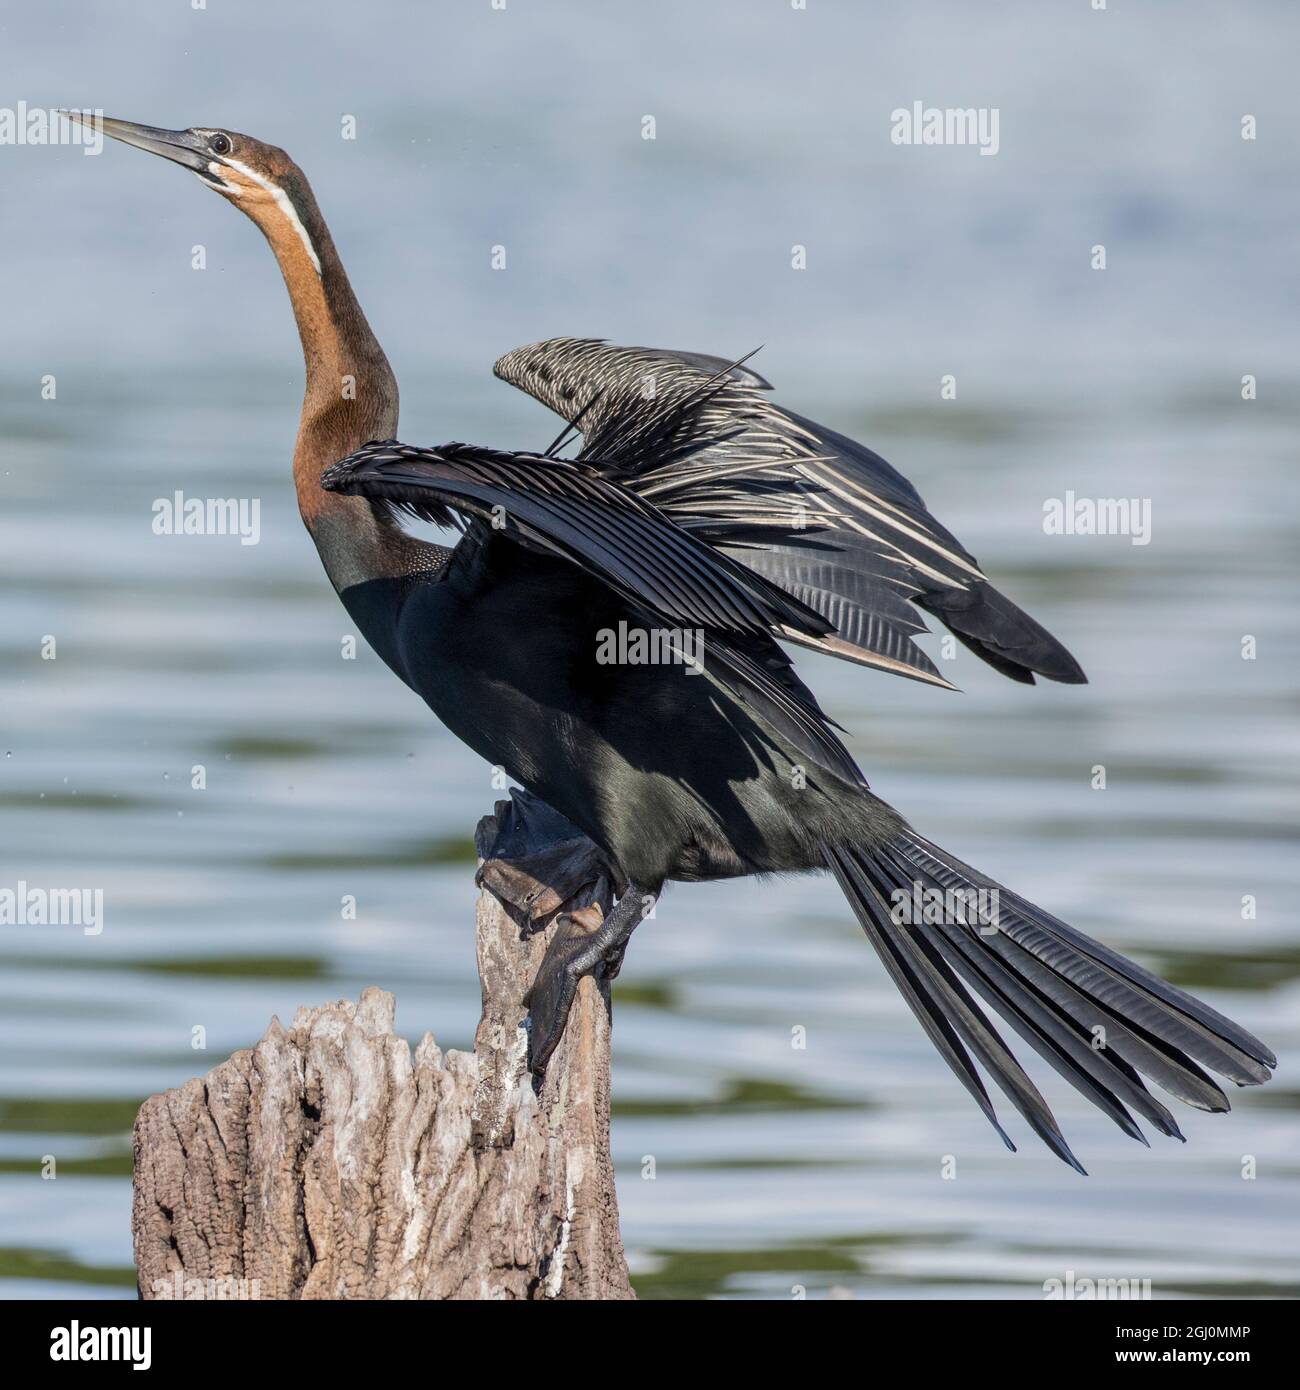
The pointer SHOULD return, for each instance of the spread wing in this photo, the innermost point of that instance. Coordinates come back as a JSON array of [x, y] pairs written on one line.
[[815, 513], [630, 545]]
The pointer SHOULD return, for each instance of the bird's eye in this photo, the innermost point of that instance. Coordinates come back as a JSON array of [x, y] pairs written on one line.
[[220, 144]]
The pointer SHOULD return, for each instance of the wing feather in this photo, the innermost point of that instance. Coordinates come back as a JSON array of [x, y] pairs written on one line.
[[699, 436], [631, 546]]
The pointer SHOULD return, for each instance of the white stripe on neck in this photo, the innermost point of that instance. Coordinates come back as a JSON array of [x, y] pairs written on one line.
[[282, 201]]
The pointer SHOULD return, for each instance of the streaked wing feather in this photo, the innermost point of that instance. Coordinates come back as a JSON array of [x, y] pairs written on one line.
[[628, 544], [698, 436]]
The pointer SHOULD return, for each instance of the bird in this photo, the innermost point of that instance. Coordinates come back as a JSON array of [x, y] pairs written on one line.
[[608, 629]]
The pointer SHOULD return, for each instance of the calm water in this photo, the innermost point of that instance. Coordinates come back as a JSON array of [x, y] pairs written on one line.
[[775, 1167]]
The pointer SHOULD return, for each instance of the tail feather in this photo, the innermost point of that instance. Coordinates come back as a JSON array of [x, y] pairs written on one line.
[[946, 1011], [1164, 1064], [1169, 1012], [1096, 1017], [1058, 1038]]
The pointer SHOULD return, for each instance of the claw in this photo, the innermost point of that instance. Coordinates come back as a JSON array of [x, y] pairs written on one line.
[[582, 945], [551, 997]]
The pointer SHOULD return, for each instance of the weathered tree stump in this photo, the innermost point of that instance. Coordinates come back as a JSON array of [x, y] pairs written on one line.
[[327, 1162]]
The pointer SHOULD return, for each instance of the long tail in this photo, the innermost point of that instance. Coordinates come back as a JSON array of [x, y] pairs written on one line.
[[1098, 1018]]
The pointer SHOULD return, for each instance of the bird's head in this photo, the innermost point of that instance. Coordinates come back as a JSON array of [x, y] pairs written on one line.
[[351, 392], [260, 179]]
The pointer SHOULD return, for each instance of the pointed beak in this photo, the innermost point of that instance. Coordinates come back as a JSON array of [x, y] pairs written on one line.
[[180, 146]]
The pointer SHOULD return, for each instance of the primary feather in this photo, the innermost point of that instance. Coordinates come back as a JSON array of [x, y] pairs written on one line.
[[814, 512]]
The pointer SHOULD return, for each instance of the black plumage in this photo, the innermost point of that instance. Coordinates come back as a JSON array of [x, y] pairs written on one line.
[[696, 503], [698, 511], [809, 508]]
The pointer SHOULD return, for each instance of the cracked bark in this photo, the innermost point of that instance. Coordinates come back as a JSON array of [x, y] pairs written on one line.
[[329, 1162]]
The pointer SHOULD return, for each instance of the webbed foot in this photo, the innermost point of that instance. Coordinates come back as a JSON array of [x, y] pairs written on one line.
[[582, 945], [539, 860]]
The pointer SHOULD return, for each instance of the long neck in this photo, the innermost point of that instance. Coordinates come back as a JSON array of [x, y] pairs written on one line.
[[350, 397]]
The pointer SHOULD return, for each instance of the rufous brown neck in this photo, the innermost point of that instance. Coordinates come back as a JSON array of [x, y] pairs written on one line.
[[350, 395]]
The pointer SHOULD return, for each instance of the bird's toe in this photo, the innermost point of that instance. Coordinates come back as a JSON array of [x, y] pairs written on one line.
[[569, 956]]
